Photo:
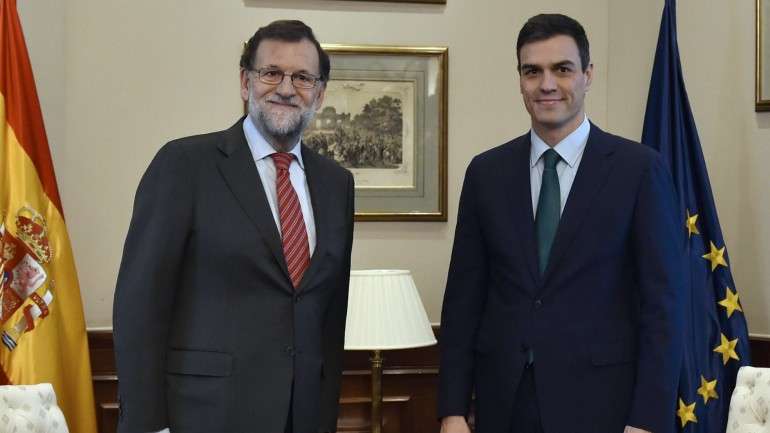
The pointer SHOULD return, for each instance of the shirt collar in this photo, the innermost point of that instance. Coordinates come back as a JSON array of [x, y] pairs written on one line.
[[568, 149], [260, 148]]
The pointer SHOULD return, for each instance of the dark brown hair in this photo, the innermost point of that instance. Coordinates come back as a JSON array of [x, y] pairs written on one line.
[[286, 31], [545, 26]]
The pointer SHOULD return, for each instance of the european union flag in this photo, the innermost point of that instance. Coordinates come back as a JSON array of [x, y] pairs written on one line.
[[716, 334]]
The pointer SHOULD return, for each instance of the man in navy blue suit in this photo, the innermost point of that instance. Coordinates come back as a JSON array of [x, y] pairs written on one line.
[[564, 301]]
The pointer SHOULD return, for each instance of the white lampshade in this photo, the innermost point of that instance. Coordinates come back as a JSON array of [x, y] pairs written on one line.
[[385, 312]]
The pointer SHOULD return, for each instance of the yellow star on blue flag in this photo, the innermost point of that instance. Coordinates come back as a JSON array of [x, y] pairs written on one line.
[[692, 228], [708, 389], [669, 129], [686, 413], [730, 302], [727, 349], [716, 256]]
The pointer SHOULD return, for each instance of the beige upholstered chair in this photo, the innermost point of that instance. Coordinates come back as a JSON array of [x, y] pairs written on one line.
[[30, 409], [750, 402]]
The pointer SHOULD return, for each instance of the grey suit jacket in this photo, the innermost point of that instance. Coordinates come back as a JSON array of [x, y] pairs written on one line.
[[210, 335]]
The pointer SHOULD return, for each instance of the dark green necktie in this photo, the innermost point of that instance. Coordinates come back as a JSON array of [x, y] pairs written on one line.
[[548, 208]]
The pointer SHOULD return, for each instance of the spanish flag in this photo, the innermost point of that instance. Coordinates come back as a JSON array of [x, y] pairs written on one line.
[[42, 330]]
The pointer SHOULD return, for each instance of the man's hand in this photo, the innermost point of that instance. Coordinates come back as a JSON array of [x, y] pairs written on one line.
[[630, 429], [454, 424]]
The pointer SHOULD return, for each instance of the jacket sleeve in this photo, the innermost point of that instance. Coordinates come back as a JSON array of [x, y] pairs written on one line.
[[658, 239], [334, 328], [147, 283], [463, 305]]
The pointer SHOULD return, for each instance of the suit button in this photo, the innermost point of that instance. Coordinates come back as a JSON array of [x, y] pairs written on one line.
[[289, 350], [530, 356], [538, 304], [297, 298]]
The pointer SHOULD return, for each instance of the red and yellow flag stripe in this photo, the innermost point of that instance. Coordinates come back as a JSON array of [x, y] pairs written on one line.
[[41, 315]]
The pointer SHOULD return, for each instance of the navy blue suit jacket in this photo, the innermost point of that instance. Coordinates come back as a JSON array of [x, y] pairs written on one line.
[[605, 319]]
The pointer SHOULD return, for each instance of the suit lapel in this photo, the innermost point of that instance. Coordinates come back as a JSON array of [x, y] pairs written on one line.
[[592, 173], [319, 198], [516, 169], [240, 173]]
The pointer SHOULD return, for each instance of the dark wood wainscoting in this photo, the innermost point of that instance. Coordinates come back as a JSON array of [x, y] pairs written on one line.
[[410, 378]]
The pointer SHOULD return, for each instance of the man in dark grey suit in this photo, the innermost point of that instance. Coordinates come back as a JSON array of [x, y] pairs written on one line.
[[230, 304]]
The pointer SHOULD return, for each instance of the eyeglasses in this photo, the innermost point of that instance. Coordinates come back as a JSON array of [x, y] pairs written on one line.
[[275, 76]]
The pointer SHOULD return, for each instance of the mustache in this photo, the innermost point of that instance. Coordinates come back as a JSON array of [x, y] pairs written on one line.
[[288, 100]]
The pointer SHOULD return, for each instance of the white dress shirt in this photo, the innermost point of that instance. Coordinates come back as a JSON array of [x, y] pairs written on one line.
[[261, 151], [570, 149]]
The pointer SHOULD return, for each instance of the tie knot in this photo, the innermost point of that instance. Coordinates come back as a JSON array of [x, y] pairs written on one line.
[[282, 160], [550, 159]]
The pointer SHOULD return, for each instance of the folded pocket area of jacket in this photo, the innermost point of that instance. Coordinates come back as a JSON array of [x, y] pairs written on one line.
[[199, 363]]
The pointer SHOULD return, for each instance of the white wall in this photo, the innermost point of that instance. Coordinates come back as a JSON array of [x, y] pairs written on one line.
[[117, 79]]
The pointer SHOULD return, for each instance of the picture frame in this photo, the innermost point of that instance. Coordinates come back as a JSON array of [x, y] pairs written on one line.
[[437, 2], [762, 81], [384, 117]]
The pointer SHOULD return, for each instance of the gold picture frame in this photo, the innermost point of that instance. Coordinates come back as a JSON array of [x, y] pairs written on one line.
[[762, 81], [437, 2], [385, 119]]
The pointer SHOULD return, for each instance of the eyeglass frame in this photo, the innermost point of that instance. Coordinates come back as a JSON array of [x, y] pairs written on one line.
[[292, 77]]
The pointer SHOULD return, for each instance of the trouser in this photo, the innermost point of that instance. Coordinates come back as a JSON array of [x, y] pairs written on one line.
[[526, 412], [289, 428]]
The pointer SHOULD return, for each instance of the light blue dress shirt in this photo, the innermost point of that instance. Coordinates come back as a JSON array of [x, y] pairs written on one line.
[[570, 149]]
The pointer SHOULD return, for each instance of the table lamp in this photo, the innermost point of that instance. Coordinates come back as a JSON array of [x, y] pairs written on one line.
[[384, 313]]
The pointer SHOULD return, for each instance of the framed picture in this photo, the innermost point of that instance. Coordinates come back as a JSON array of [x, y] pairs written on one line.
[[385, 119], [763, 56]]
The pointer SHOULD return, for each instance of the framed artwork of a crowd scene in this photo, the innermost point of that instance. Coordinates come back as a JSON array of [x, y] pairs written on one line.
[[384, 118]]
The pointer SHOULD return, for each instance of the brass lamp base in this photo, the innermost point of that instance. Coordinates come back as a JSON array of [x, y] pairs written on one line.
[[376, 421]]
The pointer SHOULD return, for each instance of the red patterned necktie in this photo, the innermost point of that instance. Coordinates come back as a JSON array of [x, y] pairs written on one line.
[[296, 249]]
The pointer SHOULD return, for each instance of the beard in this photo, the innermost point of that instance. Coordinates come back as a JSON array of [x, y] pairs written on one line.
[[280, 129]]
